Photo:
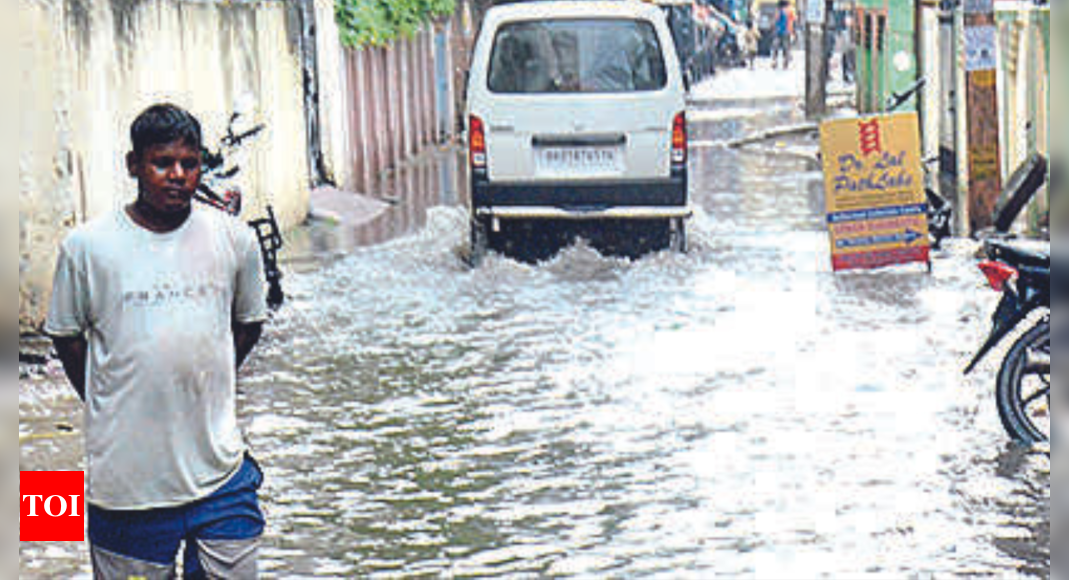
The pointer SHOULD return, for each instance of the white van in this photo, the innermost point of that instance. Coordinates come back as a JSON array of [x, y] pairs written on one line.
[[576, 115]]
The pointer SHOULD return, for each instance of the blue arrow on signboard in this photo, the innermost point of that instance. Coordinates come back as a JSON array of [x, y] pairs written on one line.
[[907, 237]]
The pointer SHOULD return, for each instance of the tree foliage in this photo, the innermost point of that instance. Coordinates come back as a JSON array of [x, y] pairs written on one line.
[[377, 22]]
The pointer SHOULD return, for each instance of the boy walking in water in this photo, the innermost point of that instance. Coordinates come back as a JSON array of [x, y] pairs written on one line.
[[154, 308]]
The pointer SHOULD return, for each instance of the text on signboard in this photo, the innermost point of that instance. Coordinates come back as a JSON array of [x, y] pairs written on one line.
[[885, 172]]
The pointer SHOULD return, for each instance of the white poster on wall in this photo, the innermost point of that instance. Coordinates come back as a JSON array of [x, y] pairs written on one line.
[[979, 6], [980, 48], [814, 11]]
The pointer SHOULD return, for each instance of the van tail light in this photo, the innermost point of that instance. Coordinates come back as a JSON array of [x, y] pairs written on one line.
[[679, 139], [477, 142], [998, 274]]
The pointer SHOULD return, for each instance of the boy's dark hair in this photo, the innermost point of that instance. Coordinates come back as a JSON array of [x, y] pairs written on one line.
[[164, 123]]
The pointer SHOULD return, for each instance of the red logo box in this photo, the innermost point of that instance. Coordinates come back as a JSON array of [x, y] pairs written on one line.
[[52, 506]]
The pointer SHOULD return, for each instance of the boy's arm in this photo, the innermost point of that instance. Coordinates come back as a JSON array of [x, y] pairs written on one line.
[[68, 317], [73, 352], [246, 335], [250, 304]]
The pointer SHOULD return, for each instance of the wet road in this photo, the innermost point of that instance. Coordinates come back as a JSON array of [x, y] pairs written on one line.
[[735, 411]]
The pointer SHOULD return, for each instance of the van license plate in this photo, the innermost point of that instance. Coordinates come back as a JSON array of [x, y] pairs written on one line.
[[579, 160]]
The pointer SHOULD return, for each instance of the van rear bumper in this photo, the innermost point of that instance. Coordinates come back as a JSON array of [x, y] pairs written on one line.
[[527, 212], [571, 198]]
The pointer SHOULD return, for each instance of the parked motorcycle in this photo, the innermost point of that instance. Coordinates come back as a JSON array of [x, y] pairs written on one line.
[[1022, 275], [219, 190], [1023, 386]]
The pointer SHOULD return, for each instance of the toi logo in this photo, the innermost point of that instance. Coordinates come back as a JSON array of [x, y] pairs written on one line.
[[52, 506]]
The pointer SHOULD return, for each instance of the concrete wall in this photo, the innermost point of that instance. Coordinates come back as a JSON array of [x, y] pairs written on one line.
[[48, 202], [1024, 96], [932, 109], [335, 101], [87, 69]]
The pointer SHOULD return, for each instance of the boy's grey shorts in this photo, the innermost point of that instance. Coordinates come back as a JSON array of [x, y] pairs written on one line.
[[222, 559]]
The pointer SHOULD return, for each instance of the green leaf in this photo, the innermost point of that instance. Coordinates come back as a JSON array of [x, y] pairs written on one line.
[[378, 22]]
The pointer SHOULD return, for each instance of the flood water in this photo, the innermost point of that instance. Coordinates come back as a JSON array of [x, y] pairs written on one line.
[[735, 411]]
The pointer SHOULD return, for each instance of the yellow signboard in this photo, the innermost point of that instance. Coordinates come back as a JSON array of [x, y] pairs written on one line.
[[874, 184]]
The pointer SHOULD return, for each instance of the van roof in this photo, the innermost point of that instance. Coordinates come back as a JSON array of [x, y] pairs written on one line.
[[542, 9]]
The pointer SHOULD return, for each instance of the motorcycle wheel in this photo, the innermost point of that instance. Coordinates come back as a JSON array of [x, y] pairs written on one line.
[[1023, 391]]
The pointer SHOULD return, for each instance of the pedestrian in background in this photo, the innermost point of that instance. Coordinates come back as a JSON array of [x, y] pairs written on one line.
[[848, 49], [784, 31], [751, 37], [154, 308], [792, 24]]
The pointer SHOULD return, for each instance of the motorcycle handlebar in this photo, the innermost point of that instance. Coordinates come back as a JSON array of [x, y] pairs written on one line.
[[235, 140], [896, 100], [213, 161]]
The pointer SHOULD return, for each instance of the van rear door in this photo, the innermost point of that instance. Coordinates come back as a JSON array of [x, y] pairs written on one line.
[[579, 99]]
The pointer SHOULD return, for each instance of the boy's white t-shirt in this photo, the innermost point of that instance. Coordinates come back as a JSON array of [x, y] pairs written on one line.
[[160, 415]]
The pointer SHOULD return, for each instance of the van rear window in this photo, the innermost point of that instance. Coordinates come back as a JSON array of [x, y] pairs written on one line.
[[577, 56]]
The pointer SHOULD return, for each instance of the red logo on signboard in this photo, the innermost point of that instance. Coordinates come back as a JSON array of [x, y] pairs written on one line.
[[870, 137], [52, 506]]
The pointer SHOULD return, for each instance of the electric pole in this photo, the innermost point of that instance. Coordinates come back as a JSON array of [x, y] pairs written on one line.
[[817, 18]]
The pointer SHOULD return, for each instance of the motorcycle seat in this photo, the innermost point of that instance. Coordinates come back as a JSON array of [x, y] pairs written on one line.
[[1017, 256]]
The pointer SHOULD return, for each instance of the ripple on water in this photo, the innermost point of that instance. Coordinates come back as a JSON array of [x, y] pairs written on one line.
[[738, 409]]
